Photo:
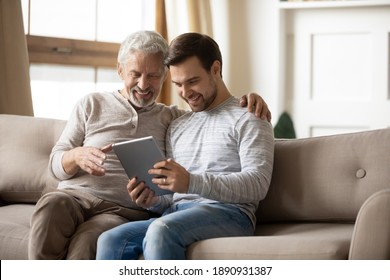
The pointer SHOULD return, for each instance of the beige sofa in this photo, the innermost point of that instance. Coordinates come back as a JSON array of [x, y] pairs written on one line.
[[329, 197]]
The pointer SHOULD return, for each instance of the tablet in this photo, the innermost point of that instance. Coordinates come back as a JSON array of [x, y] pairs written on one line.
[[137, 157]]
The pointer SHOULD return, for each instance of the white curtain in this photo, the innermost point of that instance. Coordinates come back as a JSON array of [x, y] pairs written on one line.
[[187, 16], [199, 15]]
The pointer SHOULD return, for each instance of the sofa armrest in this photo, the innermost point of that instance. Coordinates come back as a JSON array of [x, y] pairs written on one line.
[[371, 235]]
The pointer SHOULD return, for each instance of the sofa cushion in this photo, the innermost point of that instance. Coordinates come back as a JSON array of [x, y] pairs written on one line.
[[25, 146], [14, 231], [306, 241], [326, 178]]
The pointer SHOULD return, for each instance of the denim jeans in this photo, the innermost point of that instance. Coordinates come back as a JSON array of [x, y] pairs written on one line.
[[168, 236]]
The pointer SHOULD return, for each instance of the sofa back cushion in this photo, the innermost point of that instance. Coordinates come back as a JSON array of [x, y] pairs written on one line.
[[25, 146], [326, 178]]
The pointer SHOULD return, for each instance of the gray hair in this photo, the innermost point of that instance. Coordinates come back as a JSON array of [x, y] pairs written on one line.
[[149, 42]]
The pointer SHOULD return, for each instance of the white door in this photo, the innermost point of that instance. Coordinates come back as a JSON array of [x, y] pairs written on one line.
[[338, 69]]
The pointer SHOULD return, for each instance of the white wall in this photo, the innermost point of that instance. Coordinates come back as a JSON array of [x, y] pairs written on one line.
[[264, 51], [248, 35]]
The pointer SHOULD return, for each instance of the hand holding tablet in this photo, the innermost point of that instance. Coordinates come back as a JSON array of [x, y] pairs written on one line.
[[137, 157]]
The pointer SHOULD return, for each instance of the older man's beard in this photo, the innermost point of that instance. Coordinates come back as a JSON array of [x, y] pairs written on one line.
[[141, 98]]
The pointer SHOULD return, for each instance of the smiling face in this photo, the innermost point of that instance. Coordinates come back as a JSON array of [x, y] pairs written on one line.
[[143, 75], [195, 85]]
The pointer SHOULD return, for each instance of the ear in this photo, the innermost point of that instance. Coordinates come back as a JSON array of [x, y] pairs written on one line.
[[166, 73], [216, 67], [119, 69]]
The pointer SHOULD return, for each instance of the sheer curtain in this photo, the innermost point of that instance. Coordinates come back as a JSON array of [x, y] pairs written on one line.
[[199, 16], [15, 91], [180, 17], [161, 27]]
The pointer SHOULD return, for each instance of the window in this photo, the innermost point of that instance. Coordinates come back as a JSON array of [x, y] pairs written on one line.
[[73, 47]]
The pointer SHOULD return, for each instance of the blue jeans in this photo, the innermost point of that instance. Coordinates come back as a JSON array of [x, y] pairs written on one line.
[[168, 236]]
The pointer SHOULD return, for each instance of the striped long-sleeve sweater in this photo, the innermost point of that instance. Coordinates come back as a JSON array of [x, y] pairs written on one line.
[[229, 154]]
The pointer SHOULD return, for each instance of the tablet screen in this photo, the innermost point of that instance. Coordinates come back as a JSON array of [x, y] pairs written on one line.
[[137, 157]]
